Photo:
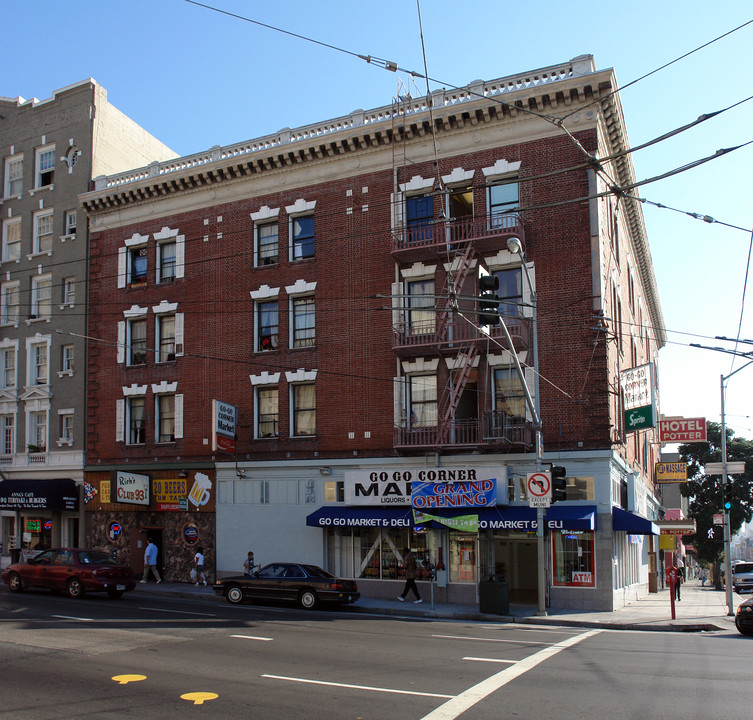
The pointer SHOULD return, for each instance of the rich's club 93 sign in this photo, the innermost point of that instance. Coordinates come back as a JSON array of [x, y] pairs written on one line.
[[131, 488]]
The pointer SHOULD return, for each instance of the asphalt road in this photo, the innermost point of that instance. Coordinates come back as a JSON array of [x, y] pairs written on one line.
[[158, 657]]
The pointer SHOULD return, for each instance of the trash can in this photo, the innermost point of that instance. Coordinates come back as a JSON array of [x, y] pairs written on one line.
[[494, 595]]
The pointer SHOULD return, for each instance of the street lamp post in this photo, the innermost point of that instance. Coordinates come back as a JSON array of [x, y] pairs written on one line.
[[515, 246], [727, 523]]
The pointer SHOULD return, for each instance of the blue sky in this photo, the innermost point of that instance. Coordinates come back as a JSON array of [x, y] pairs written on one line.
[[196, 78]]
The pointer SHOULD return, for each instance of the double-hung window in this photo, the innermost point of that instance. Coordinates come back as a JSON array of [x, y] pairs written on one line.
[[66, 428], [304, 324], [70, 223], [421, 313], [45, 166], [267, 412], [419, 214], [422, 400], [137, 342], [41, 296], [503, 200], [510, 291], [137, 266], [136, 409], [267, 325], [40, 367], [14, 174], [69, 291], [165, 338], [42, 241], [8, 369], [302, 228], [8, 434], [12, 239], [9, 303], [38, 431], [303, 404], [166, 257], [266, 243], [165, 416], [509, 394], [67, 364]]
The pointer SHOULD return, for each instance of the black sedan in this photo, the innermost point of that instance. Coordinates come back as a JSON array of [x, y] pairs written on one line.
[[307, 585], [73, 570], [744, 617]]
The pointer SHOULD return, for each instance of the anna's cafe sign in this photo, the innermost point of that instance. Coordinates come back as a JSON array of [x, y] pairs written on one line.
[[390, 486]]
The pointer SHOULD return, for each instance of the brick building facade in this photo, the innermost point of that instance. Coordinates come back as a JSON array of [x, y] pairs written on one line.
[[323, 281]]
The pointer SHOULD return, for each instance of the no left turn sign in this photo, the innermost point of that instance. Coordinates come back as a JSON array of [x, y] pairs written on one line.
[[539, 489]]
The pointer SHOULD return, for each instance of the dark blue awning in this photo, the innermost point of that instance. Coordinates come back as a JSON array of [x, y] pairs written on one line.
[[346, 516], [571, 517], [624, 521]]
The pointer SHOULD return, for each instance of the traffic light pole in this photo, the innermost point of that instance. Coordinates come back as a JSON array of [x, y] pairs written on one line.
[[727, 524]]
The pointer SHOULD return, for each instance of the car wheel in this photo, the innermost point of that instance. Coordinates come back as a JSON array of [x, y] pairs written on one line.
[[234, 594], [115, 594], [15, 583], [308, 599], [743, 629], [75, 588]]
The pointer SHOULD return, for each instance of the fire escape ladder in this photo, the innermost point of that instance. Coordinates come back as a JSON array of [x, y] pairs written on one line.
[[462, 371], [461, 265]]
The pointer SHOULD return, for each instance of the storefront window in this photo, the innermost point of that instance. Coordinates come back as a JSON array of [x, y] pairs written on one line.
[[37, 533], [573, 557], [462, 557], [369, 559]]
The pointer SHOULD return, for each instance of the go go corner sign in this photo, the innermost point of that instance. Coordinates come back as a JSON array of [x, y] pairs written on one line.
[[539, 489]]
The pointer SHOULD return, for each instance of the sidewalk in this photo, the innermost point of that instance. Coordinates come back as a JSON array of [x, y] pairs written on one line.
[[701, 609]]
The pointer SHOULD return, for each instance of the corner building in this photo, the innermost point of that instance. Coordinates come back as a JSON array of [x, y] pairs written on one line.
[[50, 149], [323, 280]]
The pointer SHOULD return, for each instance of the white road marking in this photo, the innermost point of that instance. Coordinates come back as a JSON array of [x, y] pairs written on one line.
[[527, 628], [494, 660], [179, 612], [356, 687], [72, 617], [460, 703], [252, 637], [486, 639]]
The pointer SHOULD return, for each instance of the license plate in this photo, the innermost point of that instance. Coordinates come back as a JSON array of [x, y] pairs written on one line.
[[120, 587]]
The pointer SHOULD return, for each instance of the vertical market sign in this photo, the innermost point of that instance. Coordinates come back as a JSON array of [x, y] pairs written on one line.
[[224, 426], [638, 397]]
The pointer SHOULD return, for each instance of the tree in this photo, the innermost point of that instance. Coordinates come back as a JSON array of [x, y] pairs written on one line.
[[706, 492]]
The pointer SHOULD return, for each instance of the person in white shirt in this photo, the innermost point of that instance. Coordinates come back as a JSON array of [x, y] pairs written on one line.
[[198, 563]]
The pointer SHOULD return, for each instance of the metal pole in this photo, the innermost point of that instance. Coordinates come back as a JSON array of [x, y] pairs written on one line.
[[727, 524]]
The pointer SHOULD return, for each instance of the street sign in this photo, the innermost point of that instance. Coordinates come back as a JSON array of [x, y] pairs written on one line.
[[682, 430], [539, 489], [717, 468], [718, 519]]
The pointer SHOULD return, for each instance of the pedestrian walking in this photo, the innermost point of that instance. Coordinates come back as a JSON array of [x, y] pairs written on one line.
[[198, 564], [150, 561], [703, 578], [678, 581], [409, 563], [249, 564]]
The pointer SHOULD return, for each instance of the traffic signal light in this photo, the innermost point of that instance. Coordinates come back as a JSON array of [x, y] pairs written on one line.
[[488, 302], [727, 496], [559, 484], [716, 532]]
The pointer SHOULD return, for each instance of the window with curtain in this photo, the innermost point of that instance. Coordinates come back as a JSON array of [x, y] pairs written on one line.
[[422, 314], [268, 325], [304, 410], [304, 322], [509, 395], [267, 412], [423, 400]]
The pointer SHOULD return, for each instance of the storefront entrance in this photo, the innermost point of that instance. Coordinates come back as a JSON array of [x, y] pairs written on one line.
[[516, 558]]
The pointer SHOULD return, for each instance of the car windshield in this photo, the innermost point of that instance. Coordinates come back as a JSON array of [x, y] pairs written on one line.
[[742, 568], [315, 571], [94, 557]]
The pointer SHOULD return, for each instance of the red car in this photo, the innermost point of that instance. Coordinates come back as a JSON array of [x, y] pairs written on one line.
[[73, 570]]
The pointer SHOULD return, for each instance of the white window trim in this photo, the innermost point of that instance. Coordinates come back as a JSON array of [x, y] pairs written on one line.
[[37, 157], [264, 216], [7, 222], [10, 160], [35, 251], [135, 241], [32, 342], [35, 282], [501, 170]]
